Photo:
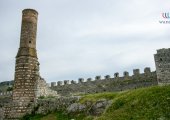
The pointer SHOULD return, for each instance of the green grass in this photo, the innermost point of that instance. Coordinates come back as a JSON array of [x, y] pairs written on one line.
[[95, 97], [152, 103], [59, 115], [142, 104]]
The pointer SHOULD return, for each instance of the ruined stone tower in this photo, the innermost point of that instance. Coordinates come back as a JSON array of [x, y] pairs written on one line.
[[26, 69], [28, 85], [27, 65], [162, 62]]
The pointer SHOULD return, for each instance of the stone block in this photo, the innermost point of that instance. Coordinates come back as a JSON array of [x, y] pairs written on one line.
[[98, 77], [116, 75], [107, 77], [81, 80]]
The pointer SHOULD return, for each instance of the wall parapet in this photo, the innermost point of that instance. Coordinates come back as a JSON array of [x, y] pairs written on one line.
[[7, 93], [136, 73]]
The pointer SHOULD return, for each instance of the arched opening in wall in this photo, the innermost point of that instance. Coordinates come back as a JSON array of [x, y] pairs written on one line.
[[29, 41]]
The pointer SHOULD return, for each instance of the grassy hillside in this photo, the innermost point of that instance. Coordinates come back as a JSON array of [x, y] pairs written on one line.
[[151, 103]]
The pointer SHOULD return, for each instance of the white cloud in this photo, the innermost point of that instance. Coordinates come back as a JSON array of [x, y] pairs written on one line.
[[86, 38]]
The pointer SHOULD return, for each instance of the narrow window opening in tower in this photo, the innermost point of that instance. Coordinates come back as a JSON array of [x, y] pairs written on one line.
[[160, 59], [29, 41]]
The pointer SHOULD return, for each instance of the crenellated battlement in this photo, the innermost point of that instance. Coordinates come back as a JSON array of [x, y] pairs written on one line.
[[7, 93], [107, 83], [66, 82], [136, 72], [163, 51], [107, 77], [89, 79], [80, 80]]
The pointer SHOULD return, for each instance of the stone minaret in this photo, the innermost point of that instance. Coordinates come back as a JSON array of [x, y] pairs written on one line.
[[28, 85], [162, 62], [27, 65]]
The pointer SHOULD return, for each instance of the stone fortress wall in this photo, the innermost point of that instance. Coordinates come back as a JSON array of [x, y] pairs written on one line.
[[97, 85], [43, 89], [106, 84]]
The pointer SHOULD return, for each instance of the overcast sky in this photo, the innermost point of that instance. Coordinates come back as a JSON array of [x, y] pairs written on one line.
[[85, 38]]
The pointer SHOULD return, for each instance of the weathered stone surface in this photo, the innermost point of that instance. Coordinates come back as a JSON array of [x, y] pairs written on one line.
[[162, 62], [44, 90], [49, 105], [26, 69], [99, 107], [76, 107], [108, 84], [70, 105], [28, 85], [27, 65], [2, 109]]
